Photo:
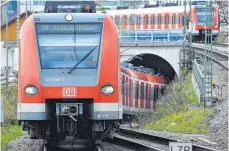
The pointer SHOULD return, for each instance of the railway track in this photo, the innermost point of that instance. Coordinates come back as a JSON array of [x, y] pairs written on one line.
[[149, 141], [219, 57]]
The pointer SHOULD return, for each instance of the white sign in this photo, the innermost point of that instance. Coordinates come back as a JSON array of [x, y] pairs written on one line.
[[174, 146], [192, 26], [69, 92], [152, 2]]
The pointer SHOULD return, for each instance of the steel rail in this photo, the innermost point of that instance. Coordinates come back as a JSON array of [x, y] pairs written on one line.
[[215, 60], [151, 141], [213, 51]]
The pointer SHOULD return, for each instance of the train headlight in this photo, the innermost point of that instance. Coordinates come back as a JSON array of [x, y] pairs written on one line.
[[107, 89], [216, 26], [68, 17], [31, 90]]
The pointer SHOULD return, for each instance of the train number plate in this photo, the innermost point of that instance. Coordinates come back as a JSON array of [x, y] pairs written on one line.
[[69, 92]]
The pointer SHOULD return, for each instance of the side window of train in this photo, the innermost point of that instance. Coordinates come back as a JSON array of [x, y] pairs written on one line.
[[155, 93], [142, 90], [166, 18], [124, 20], [138, 20], [162, 90], [117, 20], [152, 19], [159, 19], [173, 18], [146, 20], [136, 90]]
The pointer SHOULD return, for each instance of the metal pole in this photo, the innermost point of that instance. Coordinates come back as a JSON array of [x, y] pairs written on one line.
[[7, 48], [26, 9]]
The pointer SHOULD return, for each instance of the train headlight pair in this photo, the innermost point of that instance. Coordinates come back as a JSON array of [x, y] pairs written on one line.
[[31, 90], [107, 89]]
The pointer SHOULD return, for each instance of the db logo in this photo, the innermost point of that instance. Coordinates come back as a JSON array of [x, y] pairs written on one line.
[[68, 92]]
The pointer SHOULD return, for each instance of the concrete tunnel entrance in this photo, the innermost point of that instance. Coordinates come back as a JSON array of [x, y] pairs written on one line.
[[155, 62]]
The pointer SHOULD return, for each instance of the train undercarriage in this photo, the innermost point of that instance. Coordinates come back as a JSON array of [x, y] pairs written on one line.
[[69, 126]]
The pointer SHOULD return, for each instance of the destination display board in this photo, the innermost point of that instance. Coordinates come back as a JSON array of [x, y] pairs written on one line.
[[69, 28]]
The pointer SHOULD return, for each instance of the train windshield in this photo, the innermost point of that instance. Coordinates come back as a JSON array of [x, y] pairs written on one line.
[[63, 49], [201, 15]]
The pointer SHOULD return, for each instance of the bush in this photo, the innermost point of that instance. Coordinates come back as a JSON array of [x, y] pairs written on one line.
[[190, 122], [176, 99], [9, 132], [9, 96], [9, 129]]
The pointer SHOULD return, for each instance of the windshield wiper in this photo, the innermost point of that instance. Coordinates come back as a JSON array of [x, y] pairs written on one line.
[[81, 60]]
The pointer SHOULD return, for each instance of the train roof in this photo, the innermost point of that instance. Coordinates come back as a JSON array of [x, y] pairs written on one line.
[[158, 10]]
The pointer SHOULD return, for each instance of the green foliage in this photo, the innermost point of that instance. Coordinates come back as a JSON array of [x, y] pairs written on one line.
[[9, 132], [221, 38], [189, 122], [9, 96], [177, 98]]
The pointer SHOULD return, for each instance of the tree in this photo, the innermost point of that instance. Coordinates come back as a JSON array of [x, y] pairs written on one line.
[[223, 10]]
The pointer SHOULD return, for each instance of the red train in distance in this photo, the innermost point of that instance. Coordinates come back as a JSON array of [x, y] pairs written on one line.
[[166, 18], [140, 89]]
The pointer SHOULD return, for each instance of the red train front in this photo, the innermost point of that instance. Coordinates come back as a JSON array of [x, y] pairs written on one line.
[[69, 76]]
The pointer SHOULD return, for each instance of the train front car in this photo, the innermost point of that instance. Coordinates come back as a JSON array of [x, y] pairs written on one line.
[[199, 18], [69, 76]]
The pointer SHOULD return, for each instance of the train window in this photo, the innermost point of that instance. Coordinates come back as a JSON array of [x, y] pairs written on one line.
[[138, 20], [180, 19], [146, 20], [173, 18], [151, 93], [62, 49], [117, 20], [132, 19], [142, 90], [159, 20], [152, 19], [136, 91], [155, 93], [124, 20], [166, 19]]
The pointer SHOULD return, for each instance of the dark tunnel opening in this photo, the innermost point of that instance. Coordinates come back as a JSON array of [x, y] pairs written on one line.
[[160, 65]]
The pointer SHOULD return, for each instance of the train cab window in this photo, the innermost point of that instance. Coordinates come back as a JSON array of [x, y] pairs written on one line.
[[62, 45]]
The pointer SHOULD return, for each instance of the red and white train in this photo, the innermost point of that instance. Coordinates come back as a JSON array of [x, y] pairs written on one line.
[[165, 18], [140, 89]]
